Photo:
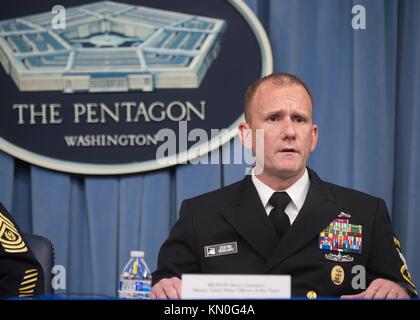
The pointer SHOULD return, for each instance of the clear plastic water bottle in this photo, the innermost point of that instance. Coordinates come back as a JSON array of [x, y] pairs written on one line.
[[135, 279]]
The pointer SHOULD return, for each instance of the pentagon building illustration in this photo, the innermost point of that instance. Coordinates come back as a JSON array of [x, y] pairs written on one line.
[[109, 47]]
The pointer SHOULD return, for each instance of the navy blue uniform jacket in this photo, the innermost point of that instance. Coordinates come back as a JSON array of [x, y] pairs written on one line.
[[235, 214]]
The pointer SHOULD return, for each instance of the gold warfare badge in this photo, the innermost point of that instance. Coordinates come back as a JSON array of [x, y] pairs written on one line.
[[337, 275], [10, 239]]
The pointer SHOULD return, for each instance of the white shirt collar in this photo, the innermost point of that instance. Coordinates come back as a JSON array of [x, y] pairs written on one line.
[[297, 191]]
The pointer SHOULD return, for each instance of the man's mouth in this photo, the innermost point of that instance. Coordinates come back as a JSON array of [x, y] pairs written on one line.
[[288, 150]]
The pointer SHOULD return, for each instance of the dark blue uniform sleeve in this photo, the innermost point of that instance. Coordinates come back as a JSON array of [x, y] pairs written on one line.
[[178, 253], [20, 273], [386, 259]]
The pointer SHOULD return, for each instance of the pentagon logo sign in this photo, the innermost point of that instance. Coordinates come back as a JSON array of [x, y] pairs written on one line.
[[110, 47], [102, 89]]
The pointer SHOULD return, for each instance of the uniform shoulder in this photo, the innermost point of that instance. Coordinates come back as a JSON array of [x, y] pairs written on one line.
[[341, 192], [352, 194], [218, 196]]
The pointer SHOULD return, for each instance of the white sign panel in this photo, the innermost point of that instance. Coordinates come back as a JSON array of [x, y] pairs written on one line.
[[210, 286]]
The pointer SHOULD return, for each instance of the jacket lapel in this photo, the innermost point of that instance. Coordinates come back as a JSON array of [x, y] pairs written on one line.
[[247, 216], [317, 212]]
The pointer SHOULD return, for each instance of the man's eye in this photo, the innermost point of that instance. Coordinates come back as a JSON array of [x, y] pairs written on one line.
[[274, 118], [299, 119]]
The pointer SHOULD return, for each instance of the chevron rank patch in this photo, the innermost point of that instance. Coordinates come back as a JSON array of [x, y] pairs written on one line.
[[404, 268], [28, 284], [10, 239]]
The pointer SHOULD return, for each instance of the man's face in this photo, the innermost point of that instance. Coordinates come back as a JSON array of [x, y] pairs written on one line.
[[285, 114]]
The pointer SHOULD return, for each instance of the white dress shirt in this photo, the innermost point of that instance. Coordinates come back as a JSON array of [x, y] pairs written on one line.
[[297, 192]]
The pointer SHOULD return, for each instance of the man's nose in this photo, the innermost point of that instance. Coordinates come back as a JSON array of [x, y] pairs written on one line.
[[288, 129]]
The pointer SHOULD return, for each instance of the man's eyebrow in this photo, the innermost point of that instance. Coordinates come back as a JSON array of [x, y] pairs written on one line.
[[301, 114], [281, 111], [274, 111]]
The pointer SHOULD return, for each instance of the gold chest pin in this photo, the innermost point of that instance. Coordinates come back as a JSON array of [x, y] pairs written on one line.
[[337, 275], [311, 295]]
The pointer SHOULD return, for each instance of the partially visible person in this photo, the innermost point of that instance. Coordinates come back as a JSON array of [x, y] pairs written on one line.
[[21, 274]]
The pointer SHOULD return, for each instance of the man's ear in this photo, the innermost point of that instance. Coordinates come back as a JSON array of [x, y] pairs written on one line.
[[245, 134], [314, 136]]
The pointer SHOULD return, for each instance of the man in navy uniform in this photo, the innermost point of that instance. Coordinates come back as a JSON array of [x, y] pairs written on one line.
[[283, 219], [20, 273]]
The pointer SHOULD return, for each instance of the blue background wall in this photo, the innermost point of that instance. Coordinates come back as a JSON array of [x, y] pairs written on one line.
[[366, 87]]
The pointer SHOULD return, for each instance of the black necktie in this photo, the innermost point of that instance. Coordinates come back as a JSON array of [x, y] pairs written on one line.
[[279, 218]]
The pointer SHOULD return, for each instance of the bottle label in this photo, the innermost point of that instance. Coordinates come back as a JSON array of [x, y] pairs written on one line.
[[135, 285]]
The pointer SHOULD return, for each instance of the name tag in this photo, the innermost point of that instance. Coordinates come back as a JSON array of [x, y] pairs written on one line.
[[220, 249]]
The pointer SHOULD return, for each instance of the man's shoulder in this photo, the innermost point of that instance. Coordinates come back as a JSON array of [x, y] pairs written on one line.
[[342, 193], [221, 196], [351, 194]]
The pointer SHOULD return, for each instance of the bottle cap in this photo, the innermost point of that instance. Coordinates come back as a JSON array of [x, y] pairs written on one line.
[[137, 254]]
